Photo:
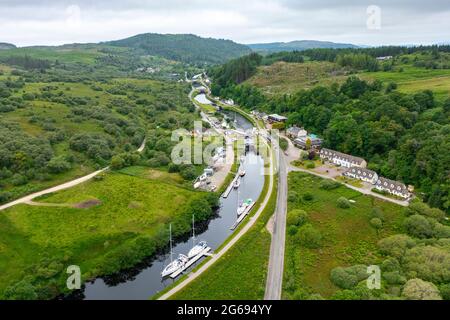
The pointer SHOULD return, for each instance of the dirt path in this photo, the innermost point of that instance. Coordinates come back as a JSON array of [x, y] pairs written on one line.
[[28, 199]]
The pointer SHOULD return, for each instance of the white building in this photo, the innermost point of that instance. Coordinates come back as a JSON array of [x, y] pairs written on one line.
[[393, 187], [361, 174], [296, 132], [342, 159]]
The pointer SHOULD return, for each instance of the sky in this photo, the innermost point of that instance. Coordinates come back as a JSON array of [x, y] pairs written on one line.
[[363, 22]]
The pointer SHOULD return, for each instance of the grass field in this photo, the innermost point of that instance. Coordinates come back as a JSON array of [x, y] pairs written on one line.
[[413, 79], [241, 273], [283, 77], [64, 55], [348, 238], [98, 219]]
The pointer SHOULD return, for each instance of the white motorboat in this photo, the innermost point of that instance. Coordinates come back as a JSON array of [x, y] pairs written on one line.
[[241, 172], [237, 183]]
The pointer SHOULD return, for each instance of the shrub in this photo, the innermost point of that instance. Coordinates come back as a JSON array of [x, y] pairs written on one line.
[[58, 165], [292, 196], [292, 230], [396, 246], [309, 237], [329, 184], [308, 196], [418, 226], [347, 278], [376, 223], [417, 289], [310, 165], [296, 217], [343, 203]]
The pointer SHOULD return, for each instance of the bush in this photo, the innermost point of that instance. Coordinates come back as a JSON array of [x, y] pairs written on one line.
[[292, 230], [418, 226], [376, 223], [310, 165], [5, 196], [343, 203], [296, 217], [348, 278], [308, 196], [309, 237], [188, 172], [417, 289], [58, 165], [22, 290], [292, 196], [329, 184], [396, 246]]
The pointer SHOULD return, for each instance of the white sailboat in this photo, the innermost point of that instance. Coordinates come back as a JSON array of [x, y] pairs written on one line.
[[237, 183], [196, 249], [243, 206], [176, 264]]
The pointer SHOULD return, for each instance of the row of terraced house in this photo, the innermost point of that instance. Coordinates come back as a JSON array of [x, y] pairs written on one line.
[[356, 168]]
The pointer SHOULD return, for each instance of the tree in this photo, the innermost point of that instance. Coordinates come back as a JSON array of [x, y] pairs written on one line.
[[428, 263], [117, 162], [417, 289], [22, 290], [376, 223], [396, 246], [58, 165], [347, 278], [309, 237], [343, 203], [296, 217], [418, 226]]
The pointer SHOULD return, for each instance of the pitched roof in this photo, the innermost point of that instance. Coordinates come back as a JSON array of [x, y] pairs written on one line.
[[392, 185], [361, 172], [336, 154]]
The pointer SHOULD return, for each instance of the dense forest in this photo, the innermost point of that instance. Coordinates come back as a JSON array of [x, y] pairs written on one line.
[[184, 47], [403, 136]]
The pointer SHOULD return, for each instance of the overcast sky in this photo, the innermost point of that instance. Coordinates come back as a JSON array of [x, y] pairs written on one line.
[[47, 22]]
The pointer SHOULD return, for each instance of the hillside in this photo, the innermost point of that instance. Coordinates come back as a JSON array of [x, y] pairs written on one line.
[[4, 45], [298, 45], [184, 47]]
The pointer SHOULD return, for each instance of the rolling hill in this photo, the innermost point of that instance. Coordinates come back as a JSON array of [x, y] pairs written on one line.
[[184, 47], [298, 45], [4, 45]]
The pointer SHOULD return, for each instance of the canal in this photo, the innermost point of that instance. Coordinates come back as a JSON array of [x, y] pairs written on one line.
[[145, 281]]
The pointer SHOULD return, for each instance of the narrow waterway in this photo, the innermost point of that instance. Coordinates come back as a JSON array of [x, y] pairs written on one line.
[[142, 283]]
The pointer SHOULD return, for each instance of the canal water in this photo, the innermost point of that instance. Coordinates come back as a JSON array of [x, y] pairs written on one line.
[[145, 281]]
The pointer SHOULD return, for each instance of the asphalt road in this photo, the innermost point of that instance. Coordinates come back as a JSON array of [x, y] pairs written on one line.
[[276, 261]]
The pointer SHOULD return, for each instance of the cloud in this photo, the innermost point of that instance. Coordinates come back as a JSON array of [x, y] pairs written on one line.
[[36, 22]]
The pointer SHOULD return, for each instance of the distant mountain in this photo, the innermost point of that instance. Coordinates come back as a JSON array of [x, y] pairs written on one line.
[[183, 47], [298, 45], [4, 45]]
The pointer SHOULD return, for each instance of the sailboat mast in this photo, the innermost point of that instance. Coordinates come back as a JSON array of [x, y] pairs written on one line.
[[171, 252], [193, 232]]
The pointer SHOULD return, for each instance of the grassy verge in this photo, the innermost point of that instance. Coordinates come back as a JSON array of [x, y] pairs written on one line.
[[347, 236]]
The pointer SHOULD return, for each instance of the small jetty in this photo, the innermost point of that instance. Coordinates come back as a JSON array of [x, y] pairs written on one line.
[[243, 215], [230, 187], [191, 262]]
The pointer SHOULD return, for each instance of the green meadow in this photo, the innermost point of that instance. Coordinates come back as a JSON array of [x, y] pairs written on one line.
[[102, 226], [347, 236]]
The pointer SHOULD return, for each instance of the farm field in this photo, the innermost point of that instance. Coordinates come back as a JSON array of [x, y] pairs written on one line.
[[348, 237], [103, 226]]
